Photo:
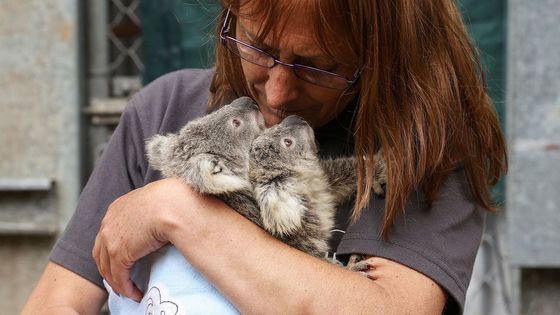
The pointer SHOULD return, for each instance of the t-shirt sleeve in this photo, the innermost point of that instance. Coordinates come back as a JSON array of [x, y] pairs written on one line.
[[117, 171], [163, 106], [441, 242]]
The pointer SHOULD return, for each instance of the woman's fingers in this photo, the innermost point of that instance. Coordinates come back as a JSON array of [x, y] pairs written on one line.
[[102, 261], [132, 228], [120, 276]]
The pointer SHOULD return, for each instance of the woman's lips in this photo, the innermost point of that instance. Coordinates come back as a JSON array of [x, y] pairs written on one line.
[[275, 116], [282, 112]]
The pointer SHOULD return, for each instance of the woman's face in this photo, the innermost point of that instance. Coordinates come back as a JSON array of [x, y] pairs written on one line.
[[277, 90]]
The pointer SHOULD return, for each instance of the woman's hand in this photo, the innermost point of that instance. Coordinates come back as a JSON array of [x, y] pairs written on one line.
[[139, 223]]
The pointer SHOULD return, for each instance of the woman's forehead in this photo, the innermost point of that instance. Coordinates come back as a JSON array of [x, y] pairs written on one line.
[[277, 15], [292, 31], [277, 6], [269, 21]]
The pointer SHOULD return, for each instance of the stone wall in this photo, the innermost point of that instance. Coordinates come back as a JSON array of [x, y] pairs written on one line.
[[39, 137], [533, 116]]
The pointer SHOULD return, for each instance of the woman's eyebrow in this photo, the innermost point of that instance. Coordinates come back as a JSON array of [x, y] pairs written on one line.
[[314, 56]]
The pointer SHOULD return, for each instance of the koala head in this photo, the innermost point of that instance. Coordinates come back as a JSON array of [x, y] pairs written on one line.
[[284, 151], [211, 152], [284, 147]]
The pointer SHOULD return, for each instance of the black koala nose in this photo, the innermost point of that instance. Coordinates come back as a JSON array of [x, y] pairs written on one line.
[[293, 120], [244, 101]]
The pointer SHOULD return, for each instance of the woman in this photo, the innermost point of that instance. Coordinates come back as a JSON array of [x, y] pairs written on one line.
[[398, 75]]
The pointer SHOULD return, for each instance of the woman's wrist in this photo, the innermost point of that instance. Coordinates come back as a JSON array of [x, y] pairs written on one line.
[[184, 217]]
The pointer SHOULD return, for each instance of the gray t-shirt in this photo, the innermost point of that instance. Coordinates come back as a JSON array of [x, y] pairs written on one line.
[[440, 242]]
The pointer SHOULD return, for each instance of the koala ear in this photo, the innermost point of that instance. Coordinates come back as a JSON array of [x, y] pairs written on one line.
[[209, 174], [159, 150]]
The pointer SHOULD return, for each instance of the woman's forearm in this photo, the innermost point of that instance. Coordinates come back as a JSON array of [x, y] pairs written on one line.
[[256, 272], [55, 293], [259, 274]]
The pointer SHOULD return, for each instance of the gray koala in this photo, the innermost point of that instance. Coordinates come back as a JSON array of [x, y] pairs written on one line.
[[211, 153], [294, 192], [273, 177], [297, 192]]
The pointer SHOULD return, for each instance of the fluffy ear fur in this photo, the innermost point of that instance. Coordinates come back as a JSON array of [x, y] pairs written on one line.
[[159, 150], [208, 174]]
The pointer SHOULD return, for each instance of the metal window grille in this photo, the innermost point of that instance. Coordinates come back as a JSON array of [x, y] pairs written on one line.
[[114, 66], [114, 56], [124, 37]]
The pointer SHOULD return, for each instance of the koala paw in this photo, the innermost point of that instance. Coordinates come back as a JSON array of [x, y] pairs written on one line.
[[358, 263], [380, 177], [211, 174]]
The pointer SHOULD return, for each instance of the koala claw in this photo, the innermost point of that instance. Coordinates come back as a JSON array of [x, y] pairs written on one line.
[[361, 266], [358, 263]]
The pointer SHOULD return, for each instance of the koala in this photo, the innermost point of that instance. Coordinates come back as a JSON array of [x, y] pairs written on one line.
[[211, 154], [223, 154], [291, 187], [296, 191], [271, 176]]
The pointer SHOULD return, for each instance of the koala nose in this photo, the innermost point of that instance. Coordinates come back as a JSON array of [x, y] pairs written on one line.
[[258, 152], [293, 120], [246, 102]]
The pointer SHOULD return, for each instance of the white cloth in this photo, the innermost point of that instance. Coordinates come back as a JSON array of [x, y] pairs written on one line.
[[174, 287]]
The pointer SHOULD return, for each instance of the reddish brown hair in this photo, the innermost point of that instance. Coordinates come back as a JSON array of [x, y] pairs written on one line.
[[422, 94]]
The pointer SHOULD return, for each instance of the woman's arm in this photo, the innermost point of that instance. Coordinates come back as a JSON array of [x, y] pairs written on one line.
[[256, 272], [60, 291], [262, 275]]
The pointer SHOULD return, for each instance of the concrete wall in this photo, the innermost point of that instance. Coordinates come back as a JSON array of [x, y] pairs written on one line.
[[533, 116], [39, 139]]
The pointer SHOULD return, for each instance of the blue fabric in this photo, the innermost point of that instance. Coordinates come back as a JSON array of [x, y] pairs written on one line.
[[174, 287]]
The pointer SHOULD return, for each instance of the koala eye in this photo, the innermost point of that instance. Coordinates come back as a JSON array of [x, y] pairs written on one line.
[[288, 142], [235, 122]]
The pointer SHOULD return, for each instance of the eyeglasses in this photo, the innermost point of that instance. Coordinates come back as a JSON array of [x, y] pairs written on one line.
[[262, 58]]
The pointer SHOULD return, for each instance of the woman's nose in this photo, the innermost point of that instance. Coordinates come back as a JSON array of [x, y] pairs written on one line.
[[282, 86]]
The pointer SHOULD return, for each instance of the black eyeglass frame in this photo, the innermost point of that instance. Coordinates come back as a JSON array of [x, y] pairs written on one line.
[[224, 37]]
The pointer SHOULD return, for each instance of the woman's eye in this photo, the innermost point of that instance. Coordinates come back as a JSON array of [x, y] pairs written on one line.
[[288, 142], [262, 47], [235, 122], [325, 67]]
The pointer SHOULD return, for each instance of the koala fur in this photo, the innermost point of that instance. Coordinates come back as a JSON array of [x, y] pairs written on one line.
[[297, 192], [211, 154], [273, 177], [290, 186]]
